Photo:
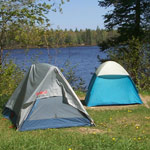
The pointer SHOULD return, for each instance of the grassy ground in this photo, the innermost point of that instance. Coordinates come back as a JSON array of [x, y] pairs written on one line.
[[117, 128]]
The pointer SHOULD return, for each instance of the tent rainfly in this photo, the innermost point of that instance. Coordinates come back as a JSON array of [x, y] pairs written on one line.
[[44, 99], [111, 85]]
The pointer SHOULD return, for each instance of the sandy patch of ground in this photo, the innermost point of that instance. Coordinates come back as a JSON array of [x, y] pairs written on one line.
[[82, 98], [87, 130], [146, 100]]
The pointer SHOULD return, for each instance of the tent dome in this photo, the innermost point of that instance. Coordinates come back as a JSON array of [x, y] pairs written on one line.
[[111, 85], [111, 68], [44, 99]]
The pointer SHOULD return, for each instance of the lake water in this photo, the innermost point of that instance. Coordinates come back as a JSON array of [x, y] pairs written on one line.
[[84, 58]]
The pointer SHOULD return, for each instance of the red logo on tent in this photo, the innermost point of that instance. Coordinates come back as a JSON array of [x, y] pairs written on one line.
[[41, 93]]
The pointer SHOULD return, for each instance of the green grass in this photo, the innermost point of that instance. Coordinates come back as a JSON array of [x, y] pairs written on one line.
[[80, 93], [126, 129], [145, 93]]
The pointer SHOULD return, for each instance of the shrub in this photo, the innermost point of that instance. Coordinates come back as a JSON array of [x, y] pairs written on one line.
[[75, 81], [10, 76]]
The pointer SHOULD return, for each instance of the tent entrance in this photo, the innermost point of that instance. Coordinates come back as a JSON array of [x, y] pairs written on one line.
[[51, 112]]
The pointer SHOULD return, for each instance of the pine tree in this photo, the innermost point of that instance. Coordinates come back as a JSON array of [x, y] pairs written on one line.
[[131, 18]]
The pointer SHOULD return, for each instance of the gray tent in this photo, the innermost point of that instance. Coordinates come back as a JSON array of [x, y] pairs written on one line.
[[44, 99]]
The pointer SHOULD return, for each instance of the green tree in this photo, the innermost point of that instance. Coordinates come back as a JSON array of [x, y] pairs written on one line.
[[98, 37], [68, 39], [23, 12], [28, 37], [131, 18], [88, 37]]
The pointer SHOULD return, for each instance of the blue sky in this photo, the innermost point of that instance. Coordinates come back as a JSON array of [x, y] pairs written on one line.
[[80, 14]]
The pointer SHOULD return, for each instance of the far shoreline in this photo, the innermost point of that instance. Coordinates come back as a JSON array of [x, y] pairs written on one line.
[[45, 47]]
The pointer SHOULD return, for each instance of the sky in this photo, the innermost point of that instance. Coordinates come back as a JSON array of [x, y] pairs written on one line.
[[80, 14]]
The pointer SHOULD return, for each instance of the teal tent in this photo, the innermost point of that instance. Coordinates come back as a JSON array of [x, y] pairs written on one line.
[[111, 85]]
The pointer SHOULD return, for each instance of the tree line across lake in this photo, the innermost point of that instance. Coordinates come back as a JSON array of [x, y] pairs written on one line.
[[29, 37]]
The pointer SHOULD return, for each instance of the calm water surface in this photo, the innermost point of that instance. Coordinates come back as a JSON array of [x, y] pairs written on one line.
[[84, 58]]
